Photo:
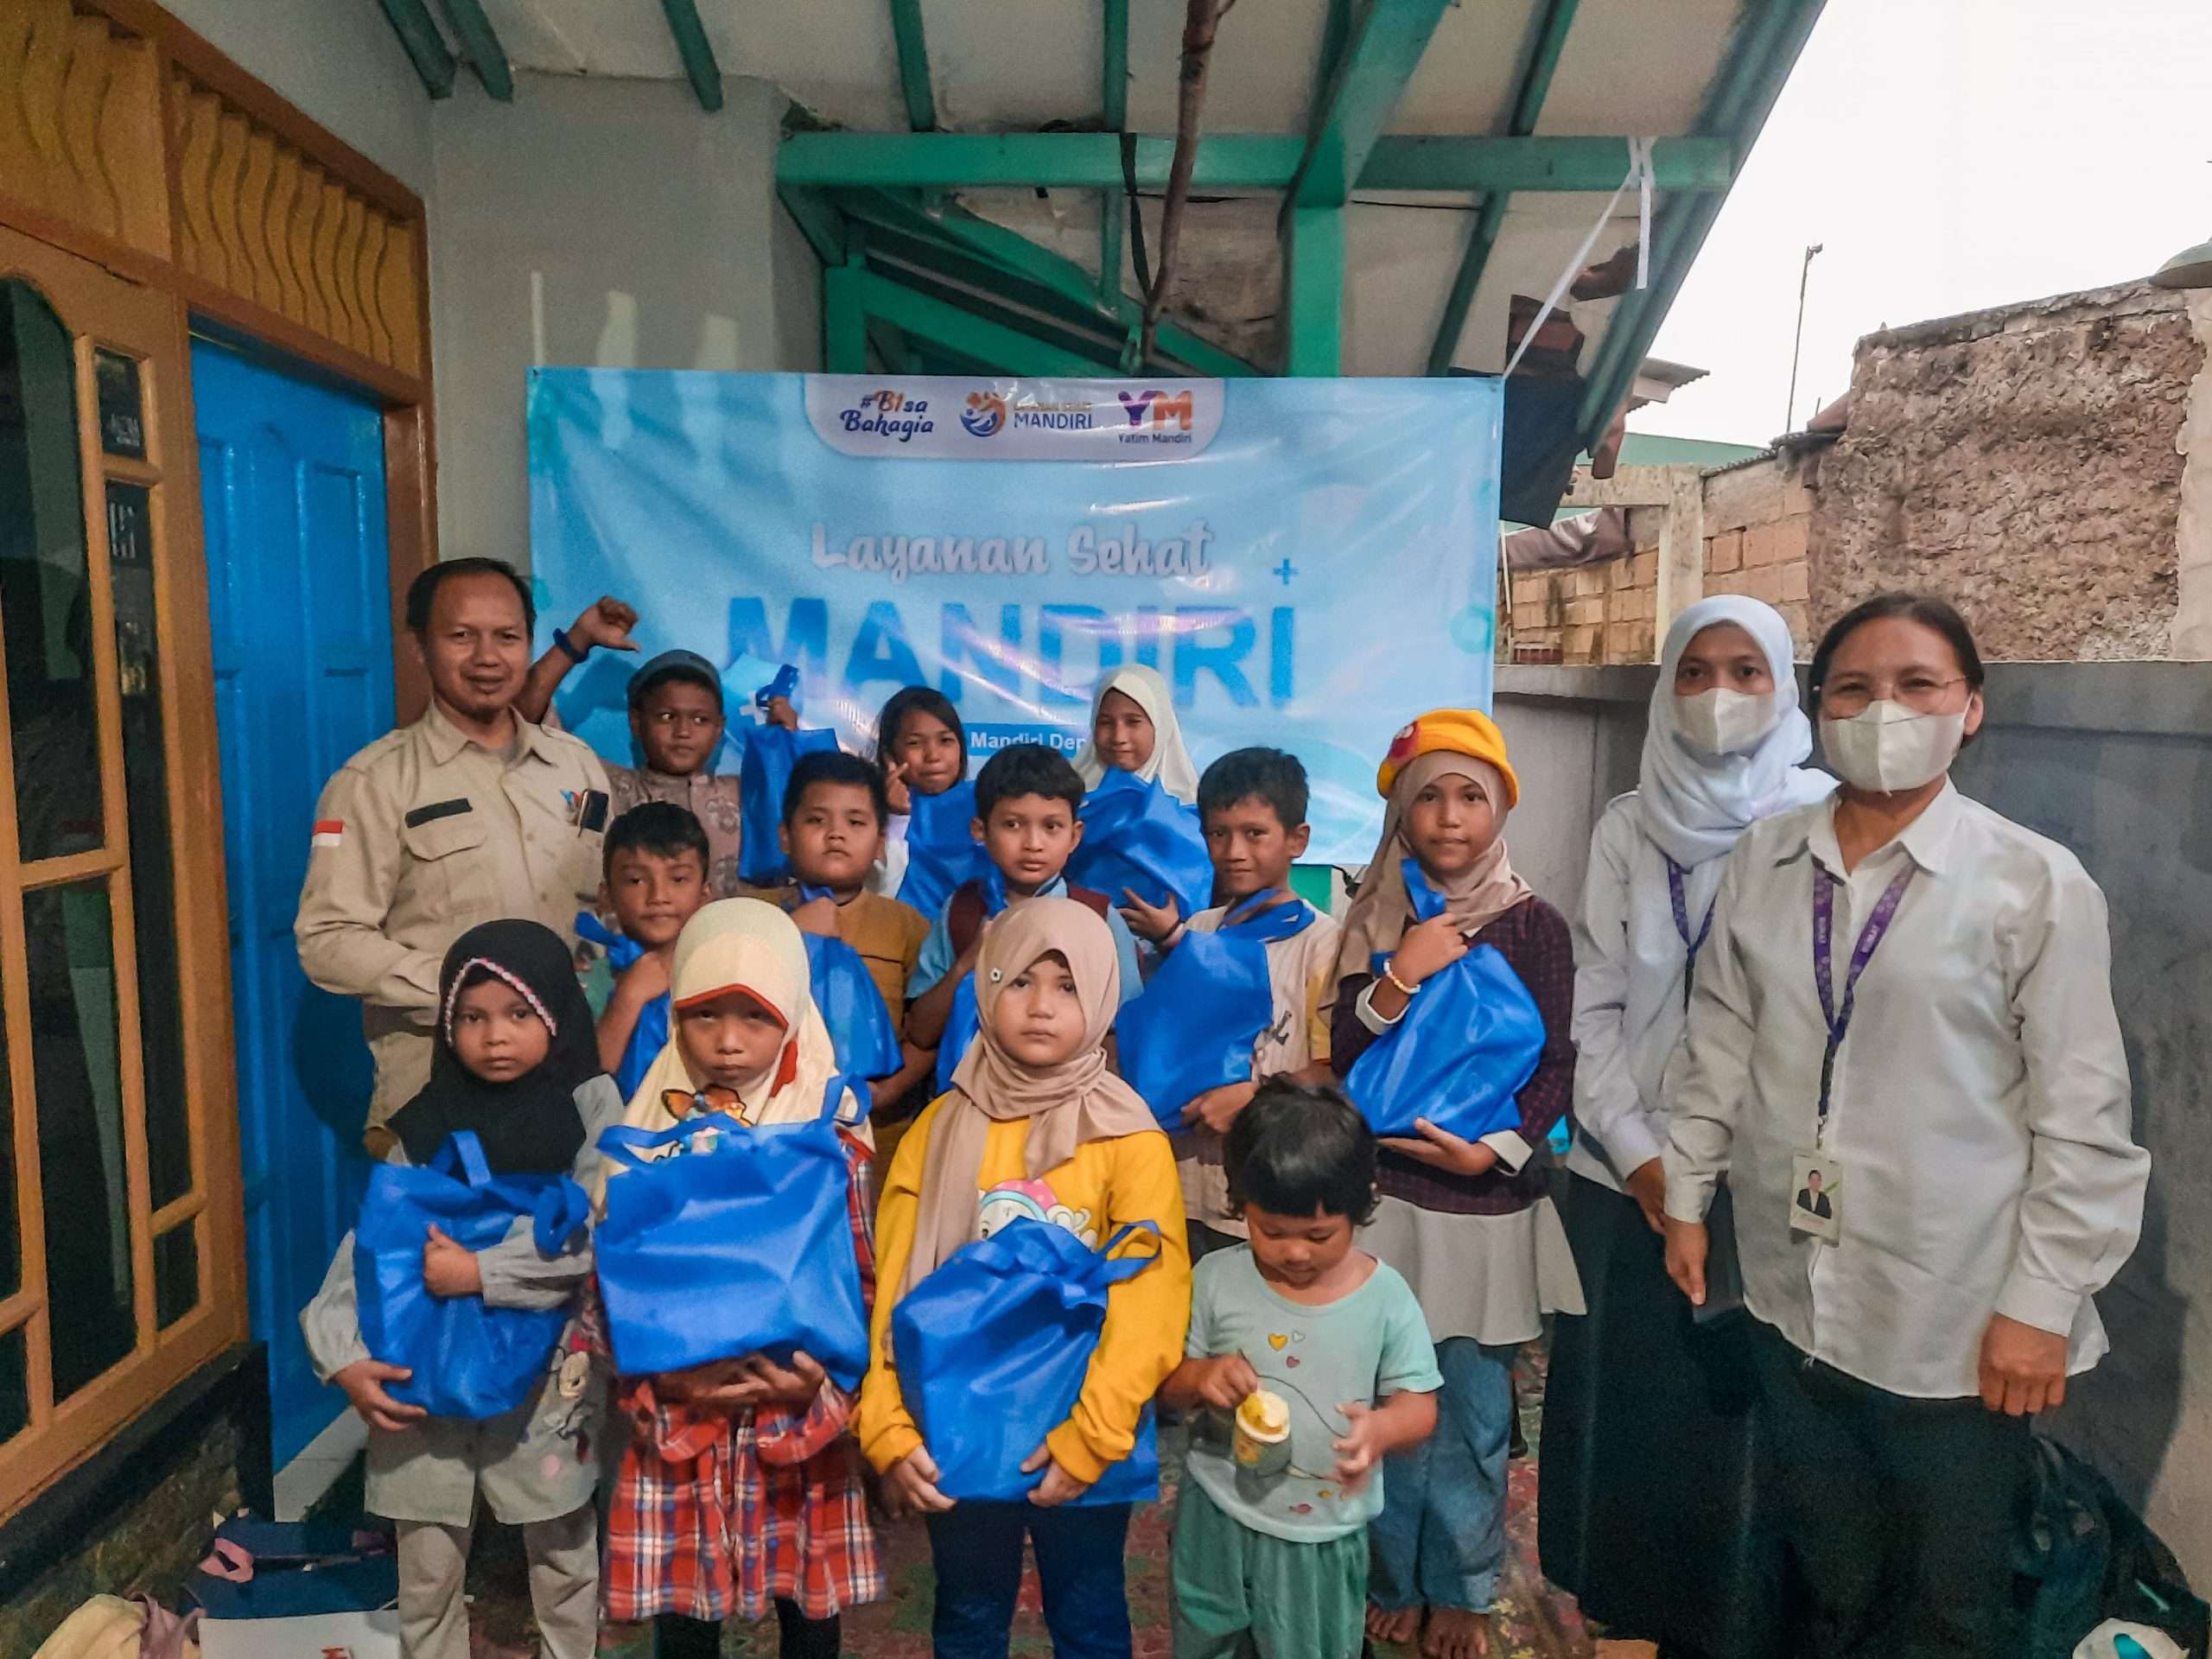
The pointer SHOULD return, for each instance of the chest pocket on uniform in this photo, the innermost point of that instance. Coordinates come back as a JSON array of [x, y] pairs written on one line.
[[439, 838]]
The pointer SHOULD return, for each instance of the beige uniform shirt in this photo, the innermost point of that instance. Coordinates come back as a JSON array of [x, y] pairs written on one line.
[[711, 798], [422, 835]]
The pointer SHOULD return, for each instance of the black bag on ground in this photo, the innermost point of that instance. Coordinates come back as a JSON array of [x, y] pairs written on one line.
[[2091, 1559]]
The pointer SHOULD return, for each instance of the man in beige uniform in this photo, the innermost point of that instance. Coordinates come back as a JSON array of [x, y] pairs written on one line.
[[470, 815]]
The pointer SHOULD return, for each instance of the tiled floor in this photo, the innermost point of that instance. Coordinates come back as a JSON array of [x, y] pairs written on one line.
[[1532, 1621]]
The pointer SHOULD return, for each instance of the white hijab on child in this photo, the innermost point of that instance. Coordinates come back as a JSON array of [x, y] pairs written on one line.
[[1170, 762], [1696, 806], [742, 945]]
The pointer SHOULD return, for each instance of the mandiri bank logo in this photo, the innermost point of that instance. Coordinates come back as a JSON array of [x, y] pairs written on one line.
[[1171, 416], [985, 414]]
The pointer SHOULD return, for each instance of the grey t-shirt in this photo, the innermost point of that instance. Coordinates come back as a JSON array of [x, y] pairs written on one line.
[[1365, 1347]]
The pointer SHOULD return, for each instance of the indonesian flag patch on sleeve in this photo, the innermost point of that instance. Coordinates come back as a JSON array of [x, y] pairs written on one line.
[[328, 832]]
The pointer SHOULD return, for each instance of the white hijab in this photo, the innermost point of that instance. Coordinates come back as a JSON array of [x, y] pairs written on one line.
[[1170, 762], [1697, 805]]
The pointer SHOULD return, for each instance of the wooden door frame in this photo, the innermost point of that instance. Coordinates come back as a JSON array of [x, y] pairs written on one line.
[[403, 390], [99, 308]]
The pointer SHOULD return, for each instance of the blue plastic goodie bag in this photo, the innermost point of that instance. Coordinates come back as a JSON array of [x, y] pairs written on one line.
[[853, 1008], [1193, 1027], [770, 754], [1137, 835], [469, 1360], [942, 851], [721, 1240], [1468, 1044], [992, 1348]]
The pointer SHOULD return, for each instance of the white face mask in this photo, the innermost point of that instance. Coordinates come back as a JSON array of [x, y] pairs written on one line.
[[1887, 747], [1721, 722]]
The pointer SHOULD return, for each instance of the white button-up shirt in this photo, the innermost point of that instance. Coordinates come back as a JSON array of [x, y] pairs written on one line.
[[1630, 965], [1980, 1108]]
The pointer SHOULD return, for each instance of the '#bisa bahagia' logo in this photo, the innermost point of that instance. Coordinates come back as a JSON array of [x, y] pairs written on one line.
[[894, 417]]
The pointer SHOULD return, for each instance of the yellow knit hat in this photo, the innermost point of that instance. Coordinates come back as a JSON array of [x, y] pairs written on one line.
[[1454, 731]]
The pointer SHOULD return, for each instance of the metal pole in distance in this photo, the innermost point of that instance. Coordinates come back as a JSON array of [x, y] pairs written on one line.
[[1797, 342]]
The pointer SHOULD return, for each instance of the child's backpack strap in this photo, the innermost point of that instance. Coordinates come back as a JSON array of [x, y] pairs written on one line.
[[964, 917], [1097, 903]]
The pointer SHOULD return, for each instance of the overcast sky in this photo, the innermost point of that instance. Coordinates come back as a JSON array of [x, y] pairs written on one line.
[[1948, 155]]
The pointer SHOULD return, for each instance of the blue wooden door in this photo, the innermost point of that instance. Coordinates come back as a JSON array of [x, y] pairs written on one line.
[[292, 475]]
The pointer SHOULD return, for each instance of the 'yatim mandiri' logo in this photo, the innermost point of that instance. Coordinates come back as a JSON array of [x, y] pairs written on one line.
[[1158, 416], [985, 414]]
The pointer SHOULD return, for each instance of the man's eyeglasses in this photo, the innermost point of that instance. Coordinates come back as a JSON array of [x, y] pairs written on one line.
[[1925, 694]]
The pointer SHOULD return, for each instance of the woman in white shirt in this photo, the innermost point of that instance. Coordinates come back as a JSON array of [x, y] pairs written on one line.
[[1909, 997], [1647, 1431]]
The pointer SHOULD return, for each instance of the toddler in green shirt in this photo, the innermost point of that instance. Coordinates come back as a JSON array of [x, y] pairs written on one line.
[[1309, 1363]]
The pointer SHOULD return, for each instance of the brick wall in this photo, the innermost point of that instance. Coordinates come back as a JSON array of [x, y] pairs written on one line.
[[2024, 462], [1758, 517], [1757, 531]]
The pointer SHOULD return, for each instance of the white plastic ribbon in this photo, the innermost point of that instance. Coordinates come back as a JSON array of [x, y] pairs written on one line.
[[1638, 174]]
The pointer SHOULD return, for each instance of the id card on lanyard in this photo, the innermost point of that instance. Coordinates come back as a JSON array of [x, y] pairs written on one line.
[[1816, 1179]]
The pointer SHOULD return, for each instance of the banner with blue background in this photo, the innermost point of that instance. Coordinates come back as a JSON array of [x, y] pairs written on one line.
[[1310, 562]]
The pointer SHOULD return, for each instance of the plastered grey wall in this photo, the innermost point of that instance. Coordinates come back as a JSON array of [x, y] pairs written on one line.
[[2114, 761], [339, 63], [612, 223]]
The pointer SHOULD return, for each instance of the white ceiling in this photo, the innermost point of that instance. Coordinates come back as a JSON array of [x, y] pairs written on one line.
[[1630, 67]]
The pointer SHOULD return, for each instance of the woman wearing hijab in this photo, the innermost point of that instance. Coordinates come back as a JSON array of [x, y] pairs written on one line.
[[1647, 1425], [1466, 1222], [517, 1065], [1909, 998], [1035, 1127], [741, 1493], [1133, 730]]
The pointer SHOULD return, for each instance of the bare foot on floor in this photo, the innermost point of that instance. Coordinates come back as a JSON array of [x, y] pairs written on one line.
[[1610, 1648], [1455, 1633], [1400, 1626]]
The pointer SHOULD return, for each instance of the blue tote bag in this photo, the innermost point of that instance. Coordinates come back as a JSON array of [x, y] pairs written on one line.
[[852, 1006], [992, 1348], [469, 1361], [1468, 1044], [1137, 835], [770, 754], [942, 851], [721, 1240], [1193, 1027]]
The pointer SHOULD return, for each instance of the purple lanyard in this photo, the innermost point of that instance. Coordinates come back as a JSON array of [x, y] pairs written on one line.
[[1676, 876], [1870, 937]]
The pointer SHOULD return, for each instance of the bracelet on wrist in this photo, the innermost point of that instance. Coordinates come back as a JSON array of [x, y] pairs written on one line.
[[1390, 973], [569, 647]]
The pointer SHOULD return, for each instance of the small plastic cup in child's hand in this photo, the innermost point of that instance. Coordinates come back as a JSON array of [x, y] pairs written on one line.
[[1262, 1443]]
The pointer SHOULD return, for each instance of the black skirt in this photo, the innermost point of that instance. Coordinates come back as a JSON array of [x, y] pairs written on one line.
[[1648, 1510]]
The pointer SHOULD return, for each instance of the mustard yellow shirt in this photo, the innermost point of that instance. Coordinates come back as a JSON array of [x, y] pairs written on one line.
[[1103, 1187]]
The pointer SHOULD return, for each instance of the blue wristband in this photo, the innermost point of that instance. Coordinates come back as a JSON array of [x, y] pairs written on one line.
[[561, 639]]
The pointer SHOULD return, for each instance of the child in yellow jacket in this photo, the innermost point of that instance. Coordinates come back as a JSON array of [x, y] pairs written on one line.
[[1035, 1125]]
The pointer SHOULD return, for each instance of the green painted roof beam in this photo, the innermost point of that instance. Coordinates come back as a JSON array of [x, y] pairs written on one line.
[[970, 335], [426, 47], [1009, 250], [913, 65], [1547, 43], [1086, 161], [1114, 90], [1378, 58], [486, 55], [1768, 40], [696, 51], [818, 222], [1313, 290]]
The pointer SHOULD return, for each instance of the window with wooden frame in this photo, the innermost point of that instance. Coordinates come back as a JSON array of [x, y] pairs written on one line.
[[120, 1258]]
